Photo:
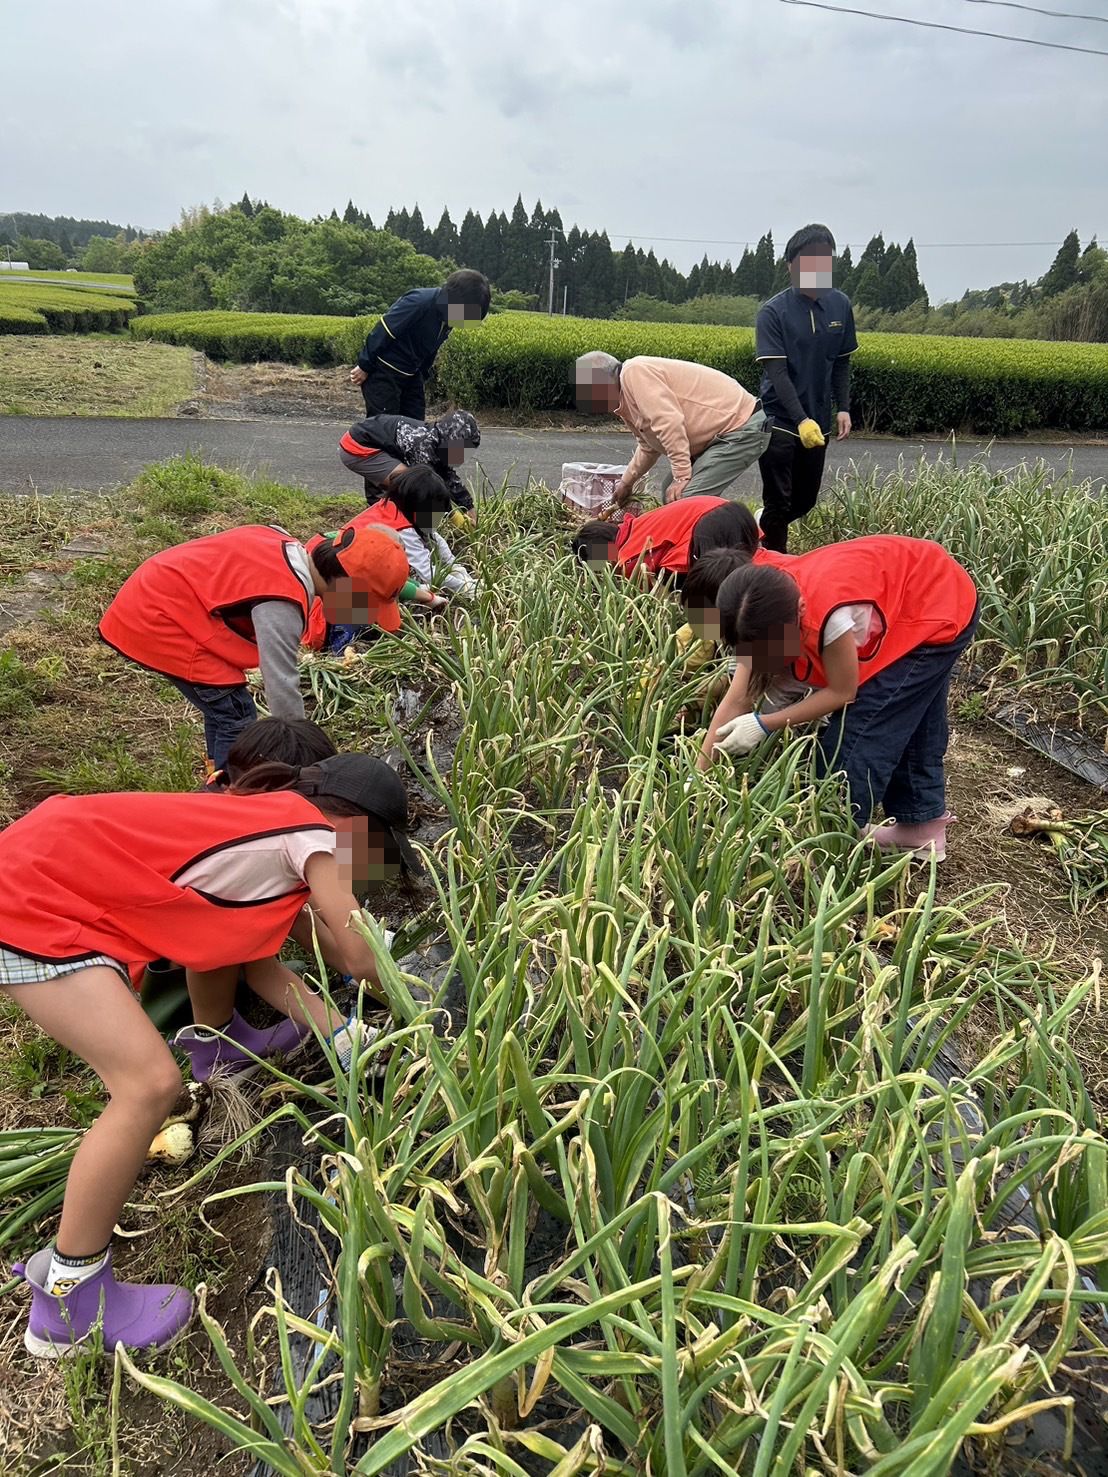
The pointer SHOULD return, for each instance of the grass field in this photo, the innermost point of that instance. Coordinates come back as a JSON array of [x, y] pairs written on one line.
[[737, 1148], [120, 281], [92, 374]]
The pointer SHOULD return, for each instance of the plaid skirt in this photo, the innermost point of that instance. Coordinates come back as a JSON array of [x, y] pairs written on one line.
[[17, 969]]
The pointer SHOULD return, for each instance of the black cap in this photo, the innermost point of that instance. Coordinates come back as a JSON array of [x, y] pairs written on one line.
[[370, 785]]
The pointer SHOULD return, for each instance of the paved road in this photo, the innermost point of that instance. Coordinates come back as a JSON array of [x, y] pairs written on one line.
[[70, 452]]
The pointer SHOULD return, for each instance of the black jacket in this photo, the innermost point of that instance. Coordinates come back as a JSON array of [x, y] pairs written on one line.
[[409, 335]]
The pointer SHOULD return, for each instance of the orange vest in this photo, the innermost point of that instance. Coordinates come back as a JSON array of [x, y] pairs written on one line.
[[185, 611], [383, 514], [95, 874], [921, 595], [662, 539]]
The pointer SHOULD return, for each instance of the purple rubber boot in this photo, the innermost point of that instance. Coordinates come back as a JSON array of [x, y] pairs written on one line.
[[138, 1315], [230, 1051]]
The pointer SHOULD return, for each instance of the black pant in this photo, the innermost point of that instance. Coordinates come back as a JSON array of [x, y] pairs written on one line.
[[790, 485], [388, 393]]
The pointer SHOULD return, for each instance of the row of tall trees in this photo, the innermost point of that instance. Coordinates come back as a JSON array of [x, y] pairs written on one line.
[[54, 242], [514, 253]]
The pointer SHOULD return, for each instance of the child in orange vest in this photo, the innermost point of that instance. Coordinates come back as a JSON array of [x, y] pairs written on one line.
[[875, 626], [93, 881], [206, 612], [670, 539]]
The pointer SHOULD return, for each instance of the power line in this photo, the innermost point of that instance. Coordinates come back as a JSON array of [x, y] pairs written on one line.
[[907, 20], [1066, 15], [919, 245]]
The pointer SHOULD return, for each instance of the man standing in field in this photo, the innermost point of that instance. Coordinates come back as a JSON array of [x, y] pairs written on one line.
[[704, 421], [803, 339], [398, 356]]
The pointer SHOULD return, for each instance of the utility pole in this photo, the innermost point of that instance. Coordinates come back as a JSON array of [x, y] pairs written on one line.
[[552, 243]]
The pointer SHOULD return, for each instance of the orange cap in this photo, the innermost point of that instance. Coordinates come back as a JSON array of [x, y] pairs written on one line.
[[376, 563]]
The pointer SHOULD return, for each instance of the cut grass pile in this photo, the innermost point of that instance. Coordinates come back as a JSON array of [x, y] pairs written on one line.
[[34, 307], [93, 375], [705, 1176]]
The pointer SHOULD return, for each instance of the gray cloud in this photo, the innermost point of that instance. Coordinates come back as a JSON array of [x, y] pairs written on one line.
[[716, 119]]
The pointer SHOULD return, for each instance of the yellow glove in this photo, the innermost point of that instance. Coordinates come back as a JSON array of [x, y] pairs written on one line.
[[810, 434], [694, 651], [459, 520]]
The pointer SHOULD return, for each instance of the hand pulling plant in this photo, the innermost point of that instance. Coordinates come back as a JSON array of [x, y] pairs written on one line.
[[692, 1187]]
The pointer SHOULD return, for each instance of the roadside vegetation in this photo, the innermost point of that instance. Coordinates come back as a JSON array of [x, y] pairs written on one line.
[[93, 374]]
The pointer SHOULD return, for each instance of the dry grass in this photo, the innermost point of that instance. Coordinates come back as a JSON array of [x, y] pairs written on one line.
[[89, 374]]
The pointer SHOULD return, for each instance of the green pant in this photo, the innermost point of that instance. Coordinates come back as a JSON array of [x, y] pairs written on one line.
[[725, 459]]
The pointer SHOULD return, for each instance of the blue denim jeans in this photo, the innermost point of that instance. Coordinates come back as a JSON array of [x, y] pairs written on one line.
[[891, 740], [226, 712]]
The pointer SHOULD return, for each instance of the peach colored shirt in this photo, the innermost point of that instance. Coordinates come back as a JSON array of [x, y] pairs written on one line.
[[677, 409]]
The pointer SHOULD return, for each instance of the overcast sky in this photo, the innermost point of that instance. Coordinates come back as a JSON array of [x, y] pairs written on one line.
[[705, 119]]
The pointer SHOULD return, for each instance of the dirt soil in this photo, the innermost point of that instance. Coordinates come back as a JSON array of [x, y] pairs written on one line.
[[296, 392]]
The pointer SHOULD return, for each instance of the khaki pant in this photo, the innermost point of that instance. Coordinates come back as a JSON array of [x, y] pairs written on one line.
[[725, 459]]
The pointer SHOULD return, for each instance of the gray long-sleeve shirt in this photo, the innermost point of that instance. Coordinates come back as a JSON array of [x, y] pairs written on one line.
[[278, 632]]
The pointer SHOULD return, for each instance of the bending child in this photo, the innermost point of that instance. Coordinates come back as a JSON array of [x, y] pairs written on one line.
[[381, 448], [206, 612], [93, 882], [875, 626]]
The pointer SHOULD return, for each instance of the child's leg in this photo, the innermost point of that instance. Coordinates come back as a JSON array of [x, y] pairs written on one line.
[[916, 791], [289, 994], [306, 931], [95, 1015], [212, 995]]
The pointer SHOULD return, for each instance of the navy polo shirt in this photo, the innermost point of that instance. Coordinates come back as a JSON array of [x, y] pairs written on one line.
[[810, 333]]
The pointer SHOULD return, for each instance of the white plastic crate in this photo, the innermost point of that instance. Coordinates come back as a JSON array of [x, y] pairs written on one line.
[[589, 485]]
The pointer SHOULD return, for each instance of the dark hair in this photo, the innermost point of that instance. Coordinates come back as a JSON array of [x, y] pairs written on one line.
[[418, 493], [754, 600], [266, 778], [589, 535], [325, 555], [291, 741], [808, 236], [702, 583], [468, 286]]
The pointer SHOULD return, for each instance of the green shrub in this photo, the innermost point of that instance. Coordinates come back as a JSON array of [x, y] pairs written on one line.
[[29, 307], [903, 383], [292, 338]]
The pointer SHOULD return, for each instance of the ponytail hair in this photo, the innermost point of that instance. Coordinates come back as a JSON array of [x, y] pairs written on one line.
[[326, 555]]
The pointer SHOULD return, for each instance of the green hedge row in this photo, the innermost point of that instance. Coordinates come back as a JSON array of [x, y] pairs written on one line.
[[243, 338], [903, 384], [27, 307]]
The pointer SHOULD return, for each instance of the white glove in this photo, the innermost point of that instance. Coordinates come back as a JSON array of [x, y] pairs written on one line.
[[740, 735], [390, 939]]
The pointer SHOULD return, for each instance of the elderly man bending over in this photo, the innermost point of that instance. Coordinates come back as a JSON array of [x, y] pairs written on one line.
[[704, 421]]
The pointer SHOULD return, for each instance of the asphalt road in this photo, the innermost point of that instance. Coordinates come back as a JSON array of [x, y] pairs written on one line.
[[85, 454]]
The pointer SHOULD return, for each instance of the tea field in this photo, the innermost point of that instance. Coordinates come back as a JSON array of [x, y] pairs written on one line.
[[903, 383], [706, 1139]]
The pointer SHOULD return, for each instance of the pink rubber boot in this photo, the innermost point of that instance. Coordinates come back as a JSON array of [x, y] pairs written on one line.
[[135, 1314], [924, 840]]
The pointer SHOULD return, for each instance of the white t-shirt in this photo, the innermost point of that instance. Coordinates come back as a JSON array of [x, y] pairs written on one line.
[[265, 867], [863, 620]]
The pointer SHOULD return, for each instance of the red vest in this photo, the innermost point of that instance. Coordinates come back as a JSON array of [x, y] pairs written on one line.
[[922, 597], [185, 612], [382, 514], [661, 539], [94, 874]]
